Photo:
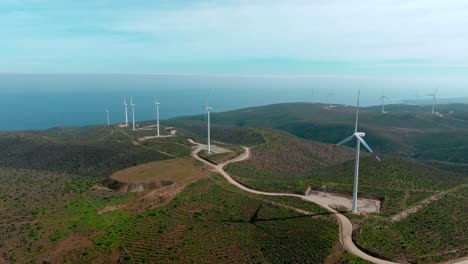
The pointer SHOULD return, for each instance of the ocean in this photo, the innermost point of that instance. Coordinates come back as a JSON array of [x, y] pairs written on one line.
[[30, 102]]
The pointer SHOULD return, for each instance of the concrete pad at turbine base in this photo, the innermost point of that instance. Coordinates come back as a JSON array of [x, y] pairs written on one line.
[[215, 149], [342, 202]]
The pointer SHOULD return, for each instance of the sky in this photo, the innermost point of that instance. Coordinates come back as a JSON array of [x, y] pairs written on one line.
[[385, 39]]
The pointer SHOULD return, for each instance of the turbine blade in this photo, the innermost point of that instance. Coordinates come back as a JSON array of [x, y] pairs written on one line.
[[346, 140], [357, 111], [364, 143]]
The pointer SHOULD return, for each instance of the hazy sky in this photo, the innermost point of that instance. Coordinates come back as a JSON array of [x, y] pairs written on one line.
[[425, 39]]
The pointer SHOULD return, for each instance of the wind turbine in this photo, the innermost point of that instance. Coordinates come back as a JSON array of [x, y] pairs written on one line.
[[359, 140], [156, 104], [126, 111], [133, 112], [382, 100], [208, 111], [107, 114], [330, 98], [433, 100]]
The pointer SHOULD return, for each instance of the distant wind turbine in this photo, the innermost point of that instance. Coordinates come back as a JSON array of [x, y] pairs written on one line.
[[133, 112], [382, 100], [156, 104], [433, 100], [208, 110], [359, 140], [107, 114], [126, 111], [330, 98]]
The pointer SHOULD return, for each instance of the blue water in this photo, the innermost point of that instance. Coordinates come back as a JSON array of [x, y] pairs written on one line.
[[44, 101]]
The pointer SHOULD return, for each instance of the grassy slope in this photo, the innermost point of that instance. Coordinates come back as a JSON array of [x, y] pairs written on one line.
[[287, 163], [434, 234], [279, 163], [57, 220], [402, 183], [210, 221], [36, 218], [94, 151]]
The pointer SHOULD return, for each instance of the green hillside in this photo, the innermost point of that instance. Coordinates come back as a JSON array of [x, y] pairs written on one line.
[[412, 131], [288, 164], [51, 194], [90, 151]]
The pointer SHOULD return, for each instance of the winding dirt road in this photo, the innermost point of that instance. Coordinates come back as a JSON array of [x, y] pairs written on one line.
[[346, 227]]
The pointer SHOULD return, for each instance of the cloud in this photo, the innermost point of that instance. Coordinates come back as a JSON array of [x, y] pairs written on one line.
[[162, 36]]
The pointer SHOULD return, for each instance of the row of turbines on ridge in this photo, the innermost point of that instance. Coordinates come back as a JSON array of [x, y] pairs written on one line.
[[206, 108]]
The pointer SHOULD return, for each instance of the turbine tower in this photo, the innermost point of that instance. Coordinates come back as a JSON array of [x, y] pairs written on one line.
[[433, 100], [359, 140], [382, 100], [107, 114], [126, 111], [208, 110], [156, 104], [133, 112], [330, 98]]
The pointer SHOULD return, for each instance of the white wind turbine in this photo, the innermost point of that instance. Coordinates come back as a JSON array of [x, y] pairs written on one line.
[[156, 104], [433, 100], [208, 111], [382, 100], [331, 94], [126, 111], [133, 112], [359, 140], [108, 119]]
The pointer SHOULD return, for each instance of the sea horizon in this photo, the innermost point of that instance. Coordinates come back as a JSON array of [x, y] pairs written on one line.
[[42, 101]]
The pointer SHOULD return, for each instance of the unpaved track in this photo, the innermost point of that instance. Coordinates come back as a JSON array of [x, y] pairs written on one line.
[[414, 209], [346, 227]]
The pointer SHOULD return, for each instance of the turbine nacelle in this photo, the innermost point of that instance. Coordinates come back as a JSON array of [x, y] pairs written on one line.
[[360, 134]]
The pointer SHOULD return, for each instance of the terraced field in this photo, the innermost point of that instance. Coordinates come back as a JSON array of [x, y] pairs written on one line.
[[210, 223]]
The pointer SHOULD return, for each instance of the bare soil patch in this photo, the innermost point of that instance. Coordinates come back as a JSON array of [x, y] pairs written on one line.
[[157, 182]]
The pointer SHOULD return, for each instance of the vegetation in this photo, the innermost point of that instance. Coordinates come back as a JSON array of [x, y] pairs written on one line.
[[36, 224], [59, 222], [409, 131], [174, 146], [225, 134], [55, 210], [436, 233], [84, 156], [241, 228]]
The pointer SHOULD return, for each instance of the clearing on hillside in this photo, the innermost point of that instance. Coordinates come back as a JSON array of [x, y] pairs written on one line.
[[160, 181]]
